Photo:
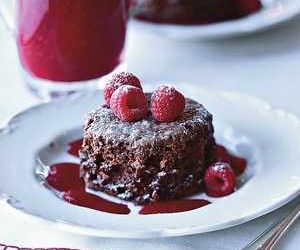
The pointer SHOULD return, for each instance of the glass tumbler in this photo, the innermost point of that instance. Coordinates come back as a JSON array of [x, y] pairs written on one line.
[[66, 46]]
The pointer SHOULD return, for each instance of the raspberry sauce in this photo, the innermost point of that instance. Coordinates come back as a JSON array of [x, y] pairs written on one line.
[[173, 206], [84, 199], [65, 178], [66, 40], [238, 164], [74, 147]]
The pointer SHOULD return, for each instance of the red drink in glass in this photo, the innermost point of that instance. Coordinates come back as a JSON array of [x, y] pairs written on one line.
[[67, 41]]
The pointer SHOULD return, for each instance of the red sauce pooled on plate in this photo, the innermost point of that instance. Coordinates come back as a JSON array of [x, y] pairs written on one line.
[[74, 147], [173, 206], [65, 178], [238, 164]]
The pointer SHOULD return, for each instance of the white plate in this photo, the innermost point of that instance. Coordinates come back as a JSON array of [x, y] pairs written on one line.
[[273, 13], [268, 138]]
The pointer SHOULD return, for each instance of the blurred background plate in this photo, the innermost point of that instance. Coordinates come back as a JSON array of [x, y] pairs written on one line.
[[274, 12]]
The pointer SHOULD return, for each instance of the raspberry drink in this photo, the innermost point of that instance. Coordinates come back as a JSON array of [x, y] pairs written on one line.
[[68, 41]]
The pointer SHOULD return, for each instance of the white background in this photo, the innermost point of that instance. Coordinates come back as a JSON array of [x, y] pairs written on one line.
[[266, 65]]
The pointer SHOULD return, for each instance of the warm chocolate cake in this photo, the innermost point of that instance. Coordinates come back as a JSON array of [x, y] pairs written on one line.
[[147, 161]]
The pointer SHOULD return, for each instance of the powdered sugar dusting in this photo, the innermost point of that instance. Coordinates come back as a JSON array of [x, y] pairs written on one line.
[[220, 166], [102, 122]]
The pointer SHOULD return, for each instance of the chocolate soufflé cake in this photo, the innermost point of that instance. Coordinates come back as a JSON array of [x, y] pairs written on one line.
[[147, 161]]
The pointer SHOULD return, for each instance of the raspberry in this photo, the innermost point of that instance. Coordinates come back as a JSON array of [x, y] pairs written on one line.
[[129, 103], [167, 104], [219, 179], [117, 80]]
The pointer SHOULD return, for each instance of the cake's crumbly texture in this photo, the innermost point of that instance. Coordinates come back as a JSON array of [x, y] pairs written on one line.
[[147, 161]]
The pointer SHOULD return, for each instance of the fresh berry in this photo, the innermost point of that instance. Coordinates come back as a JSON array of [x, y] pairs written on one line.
[[117, 80], [219, 179], [129, 103], [167, 104]]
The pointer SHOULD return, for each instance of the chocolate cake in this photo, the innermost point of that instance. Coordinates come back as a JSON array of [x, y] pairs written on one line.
[[147, 161], [192, 11]]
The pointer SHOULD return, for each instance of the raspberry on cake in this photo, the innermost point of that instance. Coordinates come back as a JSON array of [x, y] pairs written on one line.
[[118, 80], [167, 104], [147, 161], [129, 103]]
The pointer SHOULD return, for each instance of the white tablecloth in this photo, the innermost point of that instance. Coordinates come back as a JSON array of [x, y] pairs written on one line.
[[266, 65]]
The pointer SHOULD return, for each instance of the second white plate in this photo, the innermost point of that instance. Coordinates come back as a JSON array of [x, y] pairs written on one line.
[[273, 13]]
